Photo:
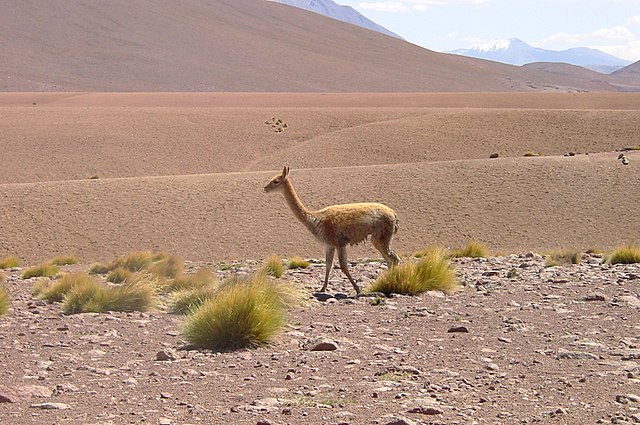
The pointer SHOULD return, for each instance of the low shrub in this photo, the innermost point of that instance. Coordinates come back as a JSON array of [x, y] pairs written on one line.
[[556, 258], [42, 270], [203, 277], [245, 312], [298, 263], [56, 291], [166, 265], [9, 262], [432, 272], [627, 254], [94, 298], [5, 301], [187, 300], [100, 268], [119, 275], [273, 266], [473, 249], [65, 260]]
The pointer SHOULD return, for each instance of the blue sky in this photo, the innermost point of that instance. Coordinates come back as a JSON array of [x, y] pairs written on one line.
[[612, 26]]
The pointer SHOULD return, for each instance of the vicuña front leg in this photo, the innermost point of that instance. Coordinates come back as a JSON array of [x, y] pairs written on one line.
[[329, 260], [344, 265]]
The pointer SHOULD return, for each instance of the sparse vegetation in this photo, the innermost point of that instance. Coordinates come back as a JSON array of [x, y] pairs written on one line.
[[2, 277], [56, 291], [298, 263], [65, 260], [5, 301], [161, 264], [9, 262], [42, 270], [202, 278], [532, 153], [138, 295], [432, 272], [243, 313], [627, 254], [473, 249], [119, 275], [187, 300], [273, 266], [556, 258]]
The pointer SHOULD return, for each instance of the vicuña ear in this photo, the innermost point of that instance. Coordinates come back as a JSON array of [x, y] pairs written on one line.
[[285, 171]]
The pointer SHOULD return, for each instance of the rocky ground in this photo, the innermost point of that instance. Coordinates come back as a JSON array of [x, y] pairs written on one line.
[[520, 343]]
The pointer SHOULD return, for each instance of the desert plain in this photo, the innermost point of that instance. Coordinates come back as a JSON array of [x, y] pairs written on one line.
[[99, 175]]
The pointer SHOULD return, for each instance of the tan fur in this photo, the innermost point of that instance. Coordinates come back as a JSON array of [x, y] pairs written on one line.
[[340, 225]]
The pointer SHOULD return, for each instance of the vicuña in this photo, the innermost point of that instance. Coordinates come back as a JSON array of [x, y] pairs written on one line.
[[339, 225]]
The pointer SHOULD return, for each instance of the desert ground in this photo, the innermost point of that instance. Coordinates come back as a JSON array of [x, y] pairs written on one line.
[[99, 175]]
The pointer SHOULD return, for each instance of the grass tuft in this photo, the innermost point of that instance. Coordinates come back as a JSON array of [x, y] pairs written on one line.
[[298, 263], [119, 275], [65, 260], [245, 312], [627, 254], [56, 291], [138, 295], [187, 300], [473, 249], [203, 277], [9, 262], [100, 268], [556, 258], [42, 270], [5, 301], [273, 266], [432, 272]]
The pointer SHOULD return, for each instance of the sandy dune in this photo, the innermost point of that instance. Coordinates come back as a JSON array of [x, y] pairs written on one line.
[[189, 179]]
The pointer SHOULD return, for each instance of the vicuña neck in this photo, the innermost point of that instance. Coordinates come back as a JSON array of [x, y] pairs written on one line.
[[299, 210]]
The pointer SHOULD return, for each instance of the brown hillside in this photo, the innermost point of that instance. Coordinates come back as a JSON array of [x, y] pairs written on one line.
[[244, 45]]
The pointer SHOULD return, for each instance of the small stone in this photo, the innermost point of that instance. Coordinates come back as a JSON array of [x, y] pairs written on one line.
[[426, 410], [458, 329], [51, 406], [396, 420], [576, 355], [594, 297], [164, 421], [167, 354], [494, 155], [323, 296], [323, 345]]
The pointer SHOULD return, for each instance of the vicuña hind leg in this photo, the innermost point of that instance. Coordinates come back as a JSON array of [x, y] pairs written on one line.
[[389, 256], [329, 260], [342, 257]]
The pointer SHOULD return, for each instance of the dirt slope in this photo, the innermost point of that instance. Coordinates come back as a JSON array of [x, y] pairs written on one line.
[[223, 46]]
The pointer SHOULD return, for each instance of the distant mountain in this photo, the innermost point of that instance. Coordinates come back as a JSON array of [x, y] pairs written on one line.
[[516, 52], [339, 12]]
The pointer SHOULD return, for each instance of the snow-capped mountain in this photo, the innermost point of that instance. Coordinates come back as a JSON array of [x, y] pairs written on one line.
[[339, 12], [517, 52]]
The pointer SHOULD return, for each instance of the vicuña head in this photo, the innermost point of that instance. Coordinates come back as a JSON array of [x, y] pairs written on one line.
[[340, 225]]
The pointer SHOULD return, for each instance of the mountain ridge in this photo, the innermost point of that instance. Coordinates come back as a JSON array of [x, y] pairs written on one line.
[[340, 12], [516, 52]]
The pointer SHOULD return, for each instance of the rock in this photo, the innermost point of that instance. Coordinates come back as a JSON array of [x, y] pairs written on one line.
[[594, 297], [631, 300], [51, 406], [627, 398], [494, 155], [164, 421], [576, 355], [396, 420], [323, 296], [458, 329], [168, 354], [323, 345], [14, 394]]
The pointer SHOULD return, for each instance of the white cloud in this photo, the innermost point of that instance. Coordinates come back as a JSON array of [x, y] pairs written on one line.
[[634, 20], [618, 41], [384, 6], [417, 5]]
